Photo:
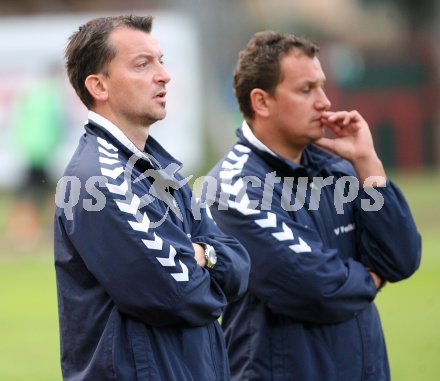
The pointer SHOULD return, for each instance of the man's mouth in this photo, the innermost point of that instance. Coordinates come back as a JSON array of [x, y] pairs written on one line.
[[318, 119], [161, 95]]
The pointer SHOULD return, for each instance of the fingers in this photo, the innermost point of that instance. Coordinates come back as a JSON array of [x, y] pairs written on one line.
[[353, 141], [199, 254], [342, 123], [341, 118], [340, 131], [377, 279], [326, 143]]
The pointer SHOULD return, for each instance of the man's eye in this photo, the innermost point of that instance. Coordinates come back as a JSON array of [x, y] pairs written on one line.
[[142, 64]]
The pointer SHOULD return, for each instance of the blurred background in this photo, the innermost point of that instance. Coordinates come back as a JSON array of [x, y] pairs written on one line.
[[380, 57]]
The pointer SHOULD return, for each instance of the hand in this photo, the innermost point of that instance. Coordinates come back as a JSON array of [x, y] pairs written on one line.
[[199, 254], [377, 280], [353, 142]]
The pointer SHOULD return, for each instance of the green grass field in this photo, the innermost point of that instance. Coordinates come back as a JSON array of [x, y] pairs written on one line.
[[410, 310]]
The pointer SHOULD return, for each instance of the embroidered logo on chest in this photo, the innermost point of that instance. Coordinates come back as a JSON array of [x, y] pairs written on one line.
[[344, 229]]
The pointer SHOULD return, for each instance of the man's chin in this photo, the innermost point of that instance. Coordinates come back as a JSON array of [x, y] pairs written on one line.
[[318, 135], [150, 119]]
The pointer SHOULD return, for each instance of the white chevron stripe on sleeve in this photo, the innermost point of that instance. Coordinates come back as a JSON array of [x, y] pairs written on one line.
[[132, 207], [107, 160], [301, 247], [269, 222], [183, 276], [142, 226], [106, 144], [233, 188], [118, 189], [106, 153], [167, 262], [285, 234], [113, 173], [233, 156], [243, 206], [155, 244], [228, 175], [237, 165], [242, 148]]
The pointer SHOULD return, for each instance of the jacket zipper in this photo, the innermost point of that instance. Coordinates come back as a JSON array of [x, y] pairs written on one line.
[[323, 230]]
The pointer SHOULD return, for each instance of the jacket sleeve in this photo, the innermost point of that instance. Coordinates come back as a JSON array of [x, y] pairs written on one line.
[[148, 271], [231, 271], [291, 271], [389, 243]]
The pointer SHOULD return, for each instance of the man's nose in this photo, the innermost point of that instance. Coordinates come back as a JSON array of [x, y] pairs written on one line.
[[162, 75], [323, 103]]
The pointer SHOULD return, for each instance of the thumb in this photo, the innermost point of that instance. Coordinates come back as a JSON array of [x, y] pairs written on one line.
[[326, 143]]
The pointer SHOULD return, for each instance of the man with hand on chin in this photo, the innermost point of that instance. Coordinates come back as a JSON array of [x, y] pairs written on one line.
[[309, 312]]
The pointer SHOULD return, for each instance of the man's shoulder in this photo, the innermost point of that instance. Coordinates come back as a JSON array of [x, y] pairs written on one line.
[[94, 156], [240, 161]]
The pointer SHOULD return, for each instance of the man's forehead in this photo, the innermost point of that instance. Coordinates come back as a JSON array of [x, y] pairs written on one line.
[[128, 39], [302, 66]]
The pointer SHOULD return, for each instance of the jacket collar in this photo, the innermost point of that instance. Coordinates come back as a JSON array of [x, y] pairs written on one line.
[[97, 123], [252, 139], [313, 159]]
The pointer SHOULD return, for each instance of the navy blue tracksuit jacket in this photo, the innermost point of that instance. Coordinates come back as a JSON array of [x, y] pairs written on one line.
[[309, 314], [133, 303]]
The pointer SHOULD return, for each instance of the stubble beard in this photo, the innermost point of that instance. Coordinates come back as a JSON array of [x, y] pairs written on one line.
[[153, 117]]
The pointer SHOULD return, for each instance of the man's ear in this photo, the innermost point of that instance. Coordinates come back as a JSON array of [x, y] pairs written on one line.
[[97, 87], [259, 102]]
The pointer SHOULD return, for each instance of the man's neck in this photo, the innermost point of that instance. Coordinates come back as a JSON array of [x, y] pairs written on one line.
[[136, 133], [264, 136]]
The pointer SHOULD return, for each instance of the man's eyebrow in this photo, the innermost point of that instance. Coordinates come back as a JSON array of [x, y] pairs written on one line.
[[144, 55], [149, 55], [313, 82]]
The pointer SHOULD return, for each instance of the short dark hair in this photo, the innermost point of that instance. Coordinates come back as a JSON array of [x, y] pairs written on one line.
[[89, 51], [259, 64]]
